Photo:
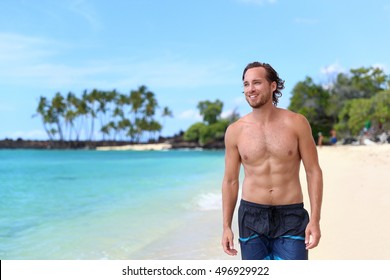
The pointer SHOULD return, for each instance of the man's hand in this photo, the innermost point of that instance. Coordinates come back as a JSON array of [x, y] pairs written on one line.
[[313, 235], [227, 242]]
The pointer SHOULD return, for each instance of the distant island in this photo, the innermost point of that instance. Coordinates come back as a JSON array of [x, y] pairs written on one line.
[[175, 142]]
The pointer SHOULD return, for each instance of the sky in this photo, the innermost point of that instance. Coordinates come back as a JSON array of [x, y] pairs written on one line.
[[183, 51]]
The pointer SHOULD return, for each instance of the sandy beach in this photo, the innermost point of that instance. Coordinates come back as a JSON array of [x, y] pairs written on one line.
[[137, 147], [355, 215], [356, 205]]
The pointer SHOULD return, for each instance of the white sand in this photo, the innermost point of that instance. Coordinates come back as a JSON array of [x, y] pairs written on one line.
[[137, 147], [356, 205]]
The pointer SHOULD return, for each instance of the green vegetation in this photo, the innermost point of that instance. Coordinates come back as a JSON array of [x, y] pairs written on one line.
[[213, 126], [353, 99], [350, 102], [66, 117]]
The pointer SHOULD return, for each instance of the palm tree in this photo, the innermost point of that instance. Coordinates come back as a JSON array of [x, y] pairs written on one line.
[[136, 100], [70, 113], [124, 126], [166, 113], [153, 127], [42, 110], [105, 99], [83, 110], [91, 99], [58, 109]]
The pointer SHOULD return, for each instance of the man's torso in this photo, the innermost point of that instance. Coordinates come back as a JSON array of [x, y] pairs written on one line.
[[270, 156]]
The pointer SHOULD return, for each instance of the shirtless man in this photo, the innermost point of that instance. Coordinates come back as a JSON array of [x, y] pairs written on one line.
[[270, 143]]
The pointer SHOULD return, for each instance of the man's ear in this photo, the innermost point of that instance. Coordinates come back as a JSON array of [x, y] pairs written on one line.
[[274, 86]]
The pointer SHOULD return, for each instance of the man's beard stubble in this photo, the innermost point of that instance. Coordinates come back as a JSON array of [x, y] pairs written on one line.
[[263, 100]]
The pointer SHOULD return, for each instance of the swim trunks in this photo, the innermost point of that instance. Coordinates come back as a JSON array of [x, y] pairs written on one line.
[[269, 232]]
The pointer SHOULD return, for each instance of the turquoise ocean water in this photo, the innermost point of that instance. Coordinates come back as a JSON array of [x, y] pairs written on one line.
[[100, 205]]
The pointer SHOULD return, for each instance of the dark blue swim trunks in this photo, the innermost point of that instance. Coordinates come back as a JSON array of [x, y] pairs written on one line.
[[269, 232]]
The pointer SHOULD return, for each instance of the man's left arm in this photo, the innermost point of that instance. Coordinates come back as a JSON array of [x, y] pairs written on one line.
[[308, 151]]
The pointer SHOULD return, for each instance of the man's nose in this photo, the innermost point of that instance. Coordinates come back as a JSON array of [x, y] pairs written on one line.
[[251, 87]]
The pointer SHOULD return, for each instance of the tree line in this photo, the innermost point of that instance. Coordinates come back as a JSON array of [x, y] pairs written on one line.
[[110, 114], [345, 104]]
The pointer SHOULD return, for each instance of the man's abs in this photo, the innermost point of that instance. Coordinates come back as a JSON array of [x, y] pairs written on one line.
[[268, 194]]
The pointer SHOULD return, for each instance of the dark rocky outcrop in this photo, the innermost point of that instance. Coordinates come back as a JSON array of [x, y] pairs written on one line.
[[176, 141]]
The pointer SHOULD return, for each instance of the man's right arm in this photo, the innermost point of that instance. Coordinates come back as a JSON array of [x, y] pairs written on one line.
[[230, 186]]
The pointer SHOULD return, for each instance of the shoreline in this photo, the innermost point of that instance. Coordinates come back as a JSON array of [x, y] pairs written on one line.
[[175, 142], [171, 143], [136, 147]]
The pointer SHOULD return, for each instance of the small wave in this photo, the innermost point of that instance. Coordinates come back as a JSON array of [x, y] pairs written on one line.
[[209, 201]]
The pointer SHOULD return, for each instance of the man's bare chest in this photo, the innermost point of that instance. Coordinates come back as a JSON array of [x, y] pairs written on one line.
[[256, 143]]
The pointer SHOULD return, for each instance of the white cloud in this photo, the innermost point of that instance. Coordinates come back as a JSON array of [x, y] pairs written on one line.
[[190, 115], [16, 48], [31, 61], [226, 114], [26, 60], [329, 74], [381, 66], [332, 69], [335, 68]]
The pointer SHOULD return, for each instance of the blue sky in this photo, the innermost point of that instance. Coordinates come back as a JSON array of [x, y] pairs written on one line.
[[183, 51]]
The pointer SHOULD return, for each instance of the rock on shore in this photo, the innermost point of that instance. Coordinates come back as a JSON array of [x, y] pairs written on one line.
[[175, 142]]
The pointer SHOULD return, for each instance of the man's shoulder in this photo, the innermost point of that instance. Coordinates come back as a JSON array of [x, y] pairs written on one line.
[[238, 123], [291, 116], [236, 127], [295, 121]]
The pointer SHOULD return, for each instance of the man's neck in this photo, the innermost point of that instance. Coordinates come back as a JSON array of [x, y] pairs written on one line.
[[264, 113]]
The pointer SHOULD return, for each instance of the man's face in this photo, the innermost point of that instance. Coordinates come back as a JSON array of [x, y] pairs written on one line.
[[258, 91]]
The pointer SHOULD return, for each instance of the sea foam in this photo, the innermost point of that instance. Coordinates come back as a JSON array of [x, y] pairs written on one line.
[[209, 201]]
